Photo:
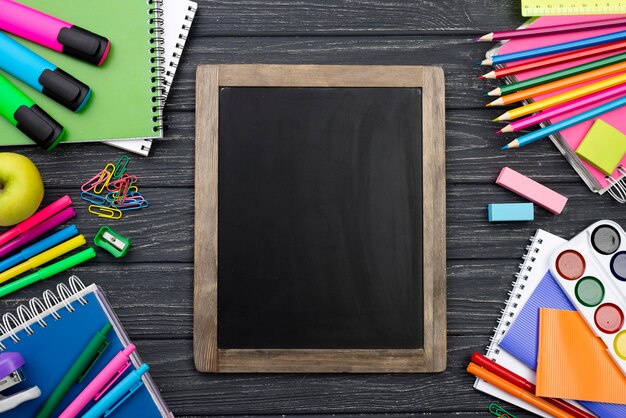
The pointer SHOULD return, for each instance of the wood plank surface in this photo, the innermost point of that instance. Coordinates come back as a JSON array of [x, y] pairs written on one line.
[[152, 288]]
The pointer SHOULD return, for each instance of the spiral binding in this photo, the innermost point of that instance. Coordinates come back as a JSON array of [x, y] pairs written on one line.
[[157, 70], [36, 310], [517, 288], [172, 62]]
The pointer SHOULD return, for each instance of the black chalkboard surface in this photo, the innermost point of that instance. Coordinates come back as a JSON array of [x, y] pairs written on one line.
[[320, 226], [320, 219]]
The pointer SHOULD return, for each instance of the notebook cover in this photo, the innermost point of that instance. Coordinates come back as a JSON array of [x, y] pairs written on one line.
[[121, 102], [573, 363], [50, 351], [574, 135]]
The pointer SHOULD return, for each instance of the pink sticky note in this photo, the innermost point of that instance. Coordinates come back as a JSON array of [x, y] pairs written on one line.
[[531, 190]]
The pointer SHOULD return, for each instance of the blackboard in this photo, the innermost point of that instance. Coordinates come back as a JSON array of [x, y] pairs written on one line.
[[319, 225]]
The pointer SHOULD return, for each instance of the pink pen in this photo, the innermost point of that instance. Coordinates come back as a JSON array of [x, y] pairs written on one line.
[[53, 33], [105, 379], [568, 107], [36, 219], [58, 219]]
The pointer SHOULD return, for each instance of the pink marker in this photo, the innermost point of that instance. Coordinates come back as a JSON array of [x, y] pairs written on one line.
[[100, 383], [53, 33], [600, 96], [531, 190], [36, 219]]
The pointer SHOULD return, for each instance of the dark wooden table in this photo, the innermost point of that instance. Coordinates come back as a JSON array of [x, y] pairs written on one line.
[[152, 288]]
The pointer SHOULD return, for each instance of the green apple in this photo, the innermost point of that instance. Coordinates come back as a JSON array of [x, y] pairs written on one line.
[[21, 188]]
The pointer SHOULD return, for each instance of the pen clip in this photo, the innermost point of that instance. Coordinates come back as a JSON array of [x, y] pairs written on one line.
[[121, 401], [103, 347], [110, 382]]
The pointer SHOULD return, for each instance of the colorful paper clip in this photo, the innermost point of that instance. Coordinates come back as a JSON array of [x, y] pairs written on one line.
[[120, 166], [94, 198], [93, 182], [104, 212], [500, 412], [108, 173]]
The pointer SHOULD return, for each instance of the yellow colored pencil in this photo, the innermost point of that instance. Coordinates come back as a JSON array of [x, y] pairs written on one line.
[[43, 258], [562, 98]]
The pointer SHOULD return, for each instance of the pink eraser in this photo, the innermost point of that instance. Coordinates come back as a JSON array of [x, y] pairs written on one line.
[[531, 190]]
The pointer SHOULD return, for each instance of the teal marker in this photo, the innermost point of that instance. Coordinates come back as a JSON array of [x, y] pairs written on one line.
[[25, 115]]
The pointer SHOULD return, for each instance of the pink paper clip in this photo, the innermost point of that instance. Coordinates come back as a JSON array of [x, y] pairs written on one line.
[[108, 169], [94, 181]]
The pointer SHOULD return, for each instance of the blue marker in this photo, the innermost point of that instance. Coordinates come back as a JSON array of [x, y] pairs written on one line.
[[40, 247], [42, 75], [118, 394]]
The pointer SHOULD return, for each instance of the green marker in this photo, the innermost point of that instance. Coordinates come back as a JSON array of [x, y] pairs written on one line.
[[48, 271], [81, 366], [23, 113]]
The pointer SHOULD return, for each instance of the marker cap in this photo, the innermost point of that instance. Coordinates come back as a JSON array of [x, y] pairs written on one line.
[[39, 126], [64, 89], [84, 45]]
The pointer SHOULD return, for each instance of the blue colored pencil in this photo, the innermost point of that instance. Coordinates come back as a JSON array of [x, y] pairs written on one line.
[[574, 120], [555, 49]]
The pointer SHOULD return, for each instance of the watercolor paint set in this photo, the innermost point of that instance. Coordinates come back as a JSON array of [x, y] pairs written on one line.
[[591, 270]]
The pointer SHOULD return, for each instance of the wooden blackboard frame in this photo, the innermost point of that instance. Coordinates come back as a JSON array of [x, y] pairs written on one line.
[[208, 357]]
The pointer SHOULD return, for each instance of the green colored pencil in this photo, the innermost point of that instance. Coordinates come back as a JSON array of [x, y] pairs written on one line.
[[558, 75]]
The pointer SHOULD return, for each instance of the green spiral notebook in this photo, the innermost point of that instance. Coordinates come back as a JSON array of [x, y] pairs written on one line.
[[125, 101]]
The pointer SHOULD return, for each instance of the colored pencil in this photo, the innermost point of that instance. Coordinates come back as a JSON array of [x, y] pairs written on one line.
[[559, 126], [566, 108], [551, 30], [558, 75], [522, 383], [562, 98], [555, 49], [556, 59], [559, 84], [519, 393]]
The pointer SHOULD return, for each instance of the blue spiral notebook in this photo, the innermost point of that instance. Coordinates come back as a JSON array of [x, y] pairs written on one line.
[[50, 334]]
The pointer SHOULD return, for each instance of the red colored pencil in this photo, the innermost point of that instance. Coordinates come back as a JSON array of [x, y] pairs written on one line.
[[520, 382], [617, 47], [551, 30]]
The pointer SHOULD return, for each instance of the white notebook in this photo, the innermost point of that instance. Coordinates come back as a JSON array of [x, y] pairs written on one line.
[[177, 18], [531, 271]]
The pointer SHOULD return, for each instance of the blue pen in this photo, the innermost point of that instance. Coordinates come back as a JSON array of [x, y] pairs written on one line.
[[559, 126], [118, 394], [42, 75], [40, 247], [554, 49]]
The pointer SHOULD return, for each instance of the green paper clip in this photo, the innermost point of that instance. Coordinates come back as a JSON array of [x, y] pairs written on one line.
[[500, 412], [111, 241], [120, 166]]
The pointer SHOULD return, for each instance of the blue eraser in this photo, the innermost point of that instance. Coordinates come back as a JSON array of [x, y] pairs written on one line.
[[511, 212]]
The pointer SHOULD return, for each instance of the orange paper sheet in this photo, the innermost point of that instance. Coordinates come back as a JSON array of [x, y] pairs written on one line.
[[573, 363]]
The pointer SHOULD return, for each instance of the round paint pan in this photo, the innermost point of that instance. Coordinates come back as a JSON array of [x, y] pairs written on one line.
[[609, 318], [570, 264], [619, 344], [618, 265], [605, 239], [589, 291]]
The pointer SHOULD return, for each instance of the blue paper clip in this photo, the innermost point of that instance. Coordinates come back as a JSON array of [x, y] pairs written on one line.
[[94, 198]]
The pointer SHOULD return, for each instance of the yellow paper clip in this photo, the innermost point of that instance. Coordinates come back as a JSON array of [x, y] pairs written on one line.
[[104, 212], [108, 173]]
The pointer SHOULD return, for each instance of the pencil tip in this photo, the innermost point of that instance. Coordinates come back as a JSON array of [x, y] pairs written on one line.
[[496, 120], [499, 132], [488, 105], [505, 147], [480, 77]]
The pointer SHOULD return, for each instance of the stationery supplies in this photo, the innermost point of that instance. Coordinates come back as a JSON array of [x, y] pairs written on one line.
[[564, 124], [516, 391], [571, 7], [52, 331], [11, 374], [592, 99], [35, 232], [41, 246], [555, 49], [42, 75], [586, 372], [500, 412], [36, 219], [591, 270], [43, 258], [111, 241], [603, 147], [98, 386], [53, 33], [117, 395], [22, 112], [531, 190], [510, 212], [552, 30], [534, 64], [48, 271], [79, 368]]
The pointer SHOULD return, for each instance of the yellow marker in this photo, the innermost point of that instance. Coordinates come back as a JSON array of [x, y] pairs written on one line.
[[43, 258], [562, 98]]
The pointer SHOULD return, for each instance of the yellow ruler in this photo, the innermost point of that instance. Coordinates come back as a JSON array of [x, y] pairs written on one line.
[[572, 7]]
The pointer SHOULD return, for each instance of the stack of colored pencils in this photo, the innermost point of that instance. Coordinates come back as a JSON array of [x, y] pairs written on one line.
[[601, 82]]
